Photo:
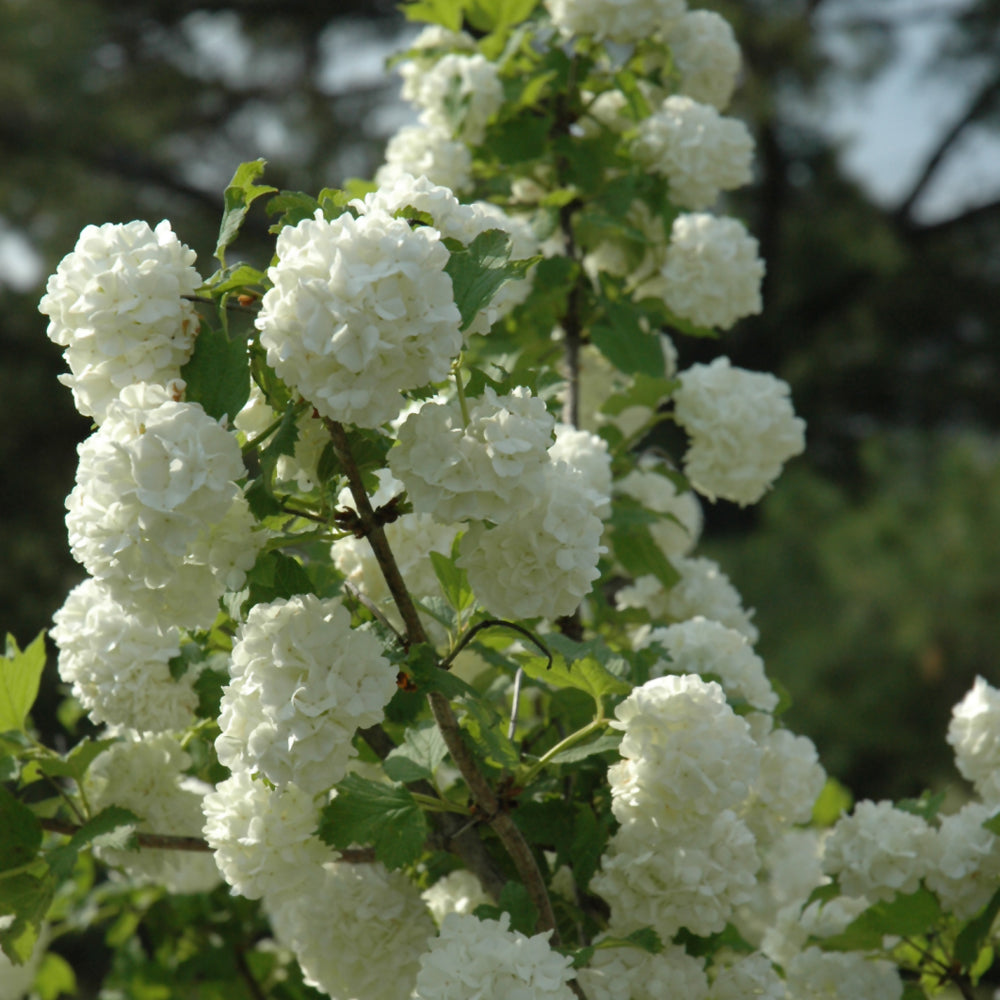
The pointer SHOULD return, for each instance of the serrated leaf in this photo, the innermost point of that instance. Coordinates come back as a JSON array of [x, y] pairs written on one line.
[[237, 276], [239, 195], [906, 915], [479, 270], [971, 938], [20, 832], [385, 816], [291, 207], [20, 675], [418, 756], [577, 665], [218, 373]]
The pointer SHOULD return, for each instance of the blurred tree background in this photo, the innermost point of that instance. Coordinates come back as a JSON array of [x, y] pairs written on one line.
[[873, 565]]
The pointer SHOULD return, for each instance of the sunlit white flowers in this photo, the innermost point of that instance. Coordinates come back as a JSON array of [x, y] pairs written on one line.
[[974, 733], [615, 20]]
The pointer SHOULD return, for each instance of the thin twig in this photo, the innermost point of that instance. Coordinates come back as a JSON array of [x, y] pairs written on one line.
[[494, 623], [512, 725]]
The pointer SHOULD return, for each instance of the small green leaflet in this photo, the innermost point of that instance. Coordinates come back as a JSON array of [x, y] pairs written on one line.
[[625, 344], [218, 373], [418, 755], [974, 934], [27, 899], [478, 271], [20, 832], [20, 674], [115, 824], [240, 194], [445, 12], [385, 816], [580, 665], [454, 582], [606, 743], [497, 15], [912, 914]]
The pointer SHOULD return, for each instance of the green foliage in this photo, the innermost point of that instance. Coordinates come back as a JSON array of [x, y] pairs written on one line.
[[218, 374], [240, 194], [20, 676]]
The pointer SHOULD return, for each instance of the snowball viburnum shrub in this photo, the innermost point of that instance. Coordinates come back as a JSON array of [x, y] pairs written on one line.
[[396, 617]]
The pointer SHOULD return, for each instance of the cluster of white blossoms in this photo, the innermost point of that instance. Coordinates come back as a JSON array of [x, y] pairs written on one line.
[[302, 683], [634, 974], [357, 930], [427, 151], [146, 776], [116, 303], [360, 310], [458, 892], [742, 429], [699, 151], [156, 513], [614, 20], [486, 958], [119, 665], [677, 530], [974, 734], [707, 55]]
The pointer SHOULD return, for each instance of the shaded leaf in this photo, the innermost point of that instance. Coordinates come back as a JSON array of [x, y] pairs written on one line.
[[239, 195], [914, 913], [20, 832], [973, 935], [218, 373], [418, 756]]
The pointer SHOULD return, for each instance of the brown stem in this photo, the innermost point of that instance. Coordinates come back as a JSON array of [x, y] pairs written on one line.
[[482, 794]]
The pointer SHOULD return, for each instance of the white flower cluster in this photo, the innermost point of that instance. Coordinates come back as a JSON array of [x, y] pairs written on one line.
[[634, 974], [974, 734], [119, 665], [682, 857], [146, 776], [360, 310], [966, 861], [679, 528], [742, 430], [711, 273], [264, 838], [834, 975], [116, 304], [748, 976], [485, 958], [458, 892], [303, 681], [615, 20], [489, 469], [458, 92], [156, 514], [425, 150], [357, 930], [588, 454], [706, 53], [699, 151]]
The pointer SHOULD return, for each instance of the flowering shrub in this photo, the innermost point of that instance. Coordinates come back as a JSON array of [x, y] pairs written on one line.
[[395, 621]]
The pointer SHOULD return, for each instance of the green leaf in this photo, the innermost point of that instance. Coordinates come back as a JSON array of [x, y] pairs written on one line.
[[927, 806], [516, 900], [445, 12], [454, 581], [276, 575], [497, 15], [423, 666], [27, 898], [291, 207], [20, 675], [993, 824], [487, 734], [973, 935], [625, 344], [580, 665], [641, 556], [606, 743], [645, 391], [478, 271], [20, 832], [74, 765], [239, 195], [235, 277], [386, 816], [418, 756], [55, 977], [831, 804], [218, 373], [914, 913]]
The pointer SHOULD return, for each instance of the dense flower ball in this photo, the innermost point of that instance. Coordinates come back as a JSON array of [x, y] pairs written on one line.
[[588, 454], [742, 430], [458, 92], [544, 563], [119, 665], [116, 304], [841, 975], [712, 271], [974, 733], [965, 869], [678, 531], [473, 957], [147, 777], [156, 507], [357, 930], [879, 851], [707, 55], [458, 892], [686, 754], [650, 877], [634, 974], [489, 469], [303, 681], [427, 150], [706, 647], [699, 152], [264, 838], [615, 20], [361, 309], [748, 976]]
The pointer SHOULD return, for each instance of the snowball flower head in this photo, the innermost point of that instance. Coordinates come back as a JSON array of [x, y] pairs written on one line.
[[707, 54], [458, 892], [699, 152], [712, 272], [588, 454], [356, 930], [303, 681], [966, 861], [878, 851], [615, 20], [361, 309], [264, 838], [742, 430], [544, 563], [489, 469], [427, 150], [485, 958], [119, 664], [116, 304], [748, 976], [974, 733], [634, 974], [841, 975], [677, 532]]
